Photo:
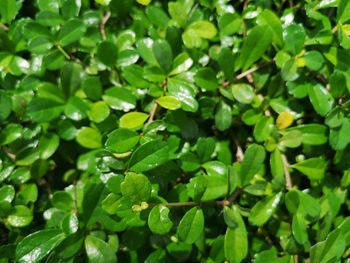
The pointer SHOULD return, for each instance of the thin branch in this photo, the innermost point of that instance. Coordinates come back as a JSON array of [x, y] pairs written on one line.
[[65, 54], [239, 151], [75, 198], [4, 27], [286, 164], [224, 202], [155, 105], [152, 113], [247, 73], [104, 20]]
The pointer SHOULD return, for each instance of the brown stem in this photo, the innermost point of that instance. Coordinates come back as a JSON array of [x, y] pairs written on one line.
[[286, 164], [4, 27], [152, 113], [224, 202], [104, 20], [247, 73]]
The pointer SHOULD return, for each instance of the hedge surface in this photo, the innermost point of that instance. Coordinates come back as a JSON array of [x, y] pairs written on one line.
[[174, 131]]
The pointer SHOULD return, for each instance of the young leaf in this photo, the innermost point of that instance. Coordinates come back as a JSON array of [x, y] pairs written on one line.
[[132, 120]]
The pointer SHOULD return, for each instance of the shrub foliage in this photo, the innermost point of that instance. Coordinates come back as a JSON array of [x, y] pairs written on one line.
[[174, 131]]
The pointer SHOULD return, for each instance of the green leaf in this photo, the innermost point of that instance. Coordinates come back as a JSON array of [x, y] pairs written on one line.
[[268, 17], [9, 10], [291, 139], [98, 112], [7, 193], [163, 54], [91, 200], [36, 246], [264, 209], [107, 53], [277, 169], [181, 64], [71, 74], [122, 140], [92, 87], [205, 78], [313, 134], [217, 180], [136, 187], [158, 220], [169, 102], [148, 156], [89, 138], [10, 133], [223, 116], [225, 62], [294, 38], [254, 47], [203, 29], [132, 120], [263, 128], [338, 137], [21, 216], [253, 160], [6, 105], [44, 110], [191, 225], [40, 45], [62, 200], [184, 92], [299, 229], [236, 239], [99, 251], [314, 60], [48, 144], [120, 98], [229, 24], [313, 168], [76, 108], [320, 99], [243, 93], [343, 11], [72, 31]]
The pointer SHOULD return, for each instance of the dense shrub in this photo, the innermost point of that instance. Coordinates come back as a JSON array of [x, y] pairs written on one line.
[[180, 131]]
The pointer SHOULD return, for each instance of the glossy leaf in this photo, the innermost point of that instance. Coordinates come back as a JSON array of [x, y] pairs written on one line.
[[149, 156], [99, 251], [158, 220], [264, 209], [191, 225], [38, 245]]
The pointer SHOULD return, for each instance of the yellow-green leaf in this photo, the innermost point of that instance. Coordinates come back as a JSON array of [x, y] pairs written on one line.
[[132, 120], [169, 102]]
